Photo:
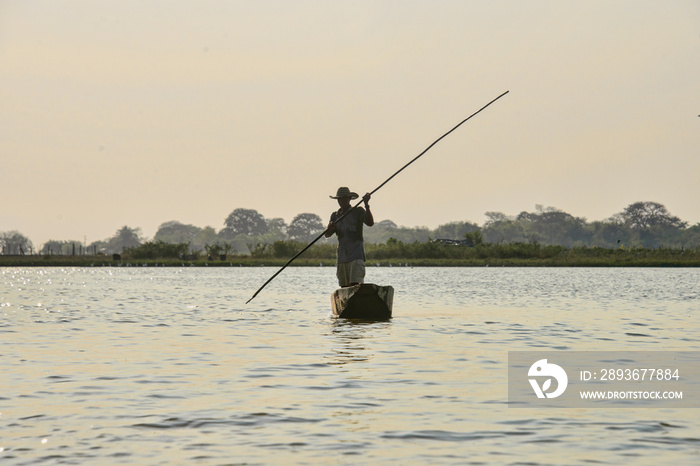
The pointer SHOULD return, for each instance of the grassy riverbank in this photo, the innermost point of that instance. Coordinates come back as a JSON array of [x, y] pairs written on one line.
[[495, 258]]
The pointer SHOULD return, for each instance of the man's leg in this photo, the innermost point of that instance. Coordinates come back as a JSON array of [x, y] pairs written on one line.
[[356, 272], [343, 274]]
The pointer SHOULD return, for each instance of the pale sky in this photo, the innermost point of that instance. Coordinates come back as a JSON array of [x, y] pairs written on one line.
[[136, 113]]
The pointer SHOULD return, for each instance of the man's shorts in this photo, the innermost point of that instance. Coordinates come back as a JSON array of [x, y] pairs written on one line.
[[351, 272]]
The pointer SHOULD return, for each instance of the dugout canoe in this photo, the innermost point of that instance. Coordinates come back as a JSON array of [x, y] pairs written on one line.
[[365, 301]]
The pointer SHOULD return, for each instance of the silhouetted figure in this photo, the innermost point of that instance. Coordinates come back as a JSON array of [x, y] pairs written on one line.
[[351, 247]]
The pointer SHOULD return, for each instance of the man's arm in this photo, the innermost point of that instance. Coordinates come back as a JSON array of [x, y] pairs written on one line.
[[330, 229], [369, 218]]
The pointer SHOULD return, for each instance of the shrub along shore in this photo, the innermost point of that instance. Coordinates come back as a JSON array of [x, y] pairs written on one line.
[[392, 254]]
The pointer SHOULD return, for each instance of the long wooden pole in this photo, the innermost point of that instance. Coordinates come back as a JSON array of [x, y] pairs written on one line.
[[372, 192]]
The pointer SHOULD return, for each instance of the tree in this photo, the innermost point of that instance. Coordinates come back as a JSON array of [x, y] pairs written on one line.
[[644, 215], [206, 235], [176, 232], [379, 233], [550, 225], [217, 251], [609, 234], [245, 222], [691, 237], [15, 243], [652, 224], [386, 224], [474, 238], [62, 247], [454, 230], [495, 217], [276, 230], [505, 231], [124, 238], [305, 227], [500, 228], [98, 247], [277, 226]]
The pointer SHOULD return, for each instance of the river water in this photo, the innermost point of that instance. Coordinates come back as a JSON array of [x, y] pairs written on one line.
[[137, 365]]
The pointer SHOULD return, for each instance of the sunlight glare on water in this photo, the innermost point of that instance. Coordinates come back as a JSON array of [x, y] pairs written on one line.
[[167, 365]]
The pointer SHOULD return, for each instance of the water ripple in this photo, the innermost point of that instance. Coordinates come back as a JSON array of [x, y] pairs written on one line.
[[167, 366]]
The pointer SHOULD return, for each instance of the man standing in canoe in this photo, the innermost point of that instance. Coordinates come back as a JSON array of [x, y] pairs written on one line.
[[351, 247]]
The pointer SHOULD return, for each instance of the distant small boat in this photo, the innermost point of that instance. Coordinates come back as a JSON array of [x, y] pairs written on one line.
[[364, 301]]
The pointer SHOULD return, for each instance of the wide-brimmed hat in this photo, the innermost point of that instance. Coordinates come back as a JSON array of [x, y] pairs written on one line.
[[344, 192]]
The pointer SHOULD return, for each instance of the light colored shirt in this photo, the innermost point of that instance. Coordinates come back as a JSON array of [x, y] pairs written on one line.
[[349, 230]]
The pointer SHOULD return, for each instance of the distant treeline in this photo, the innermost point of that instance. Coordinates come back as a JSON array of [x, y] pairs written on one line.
[[392, 253], [646, 225]]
